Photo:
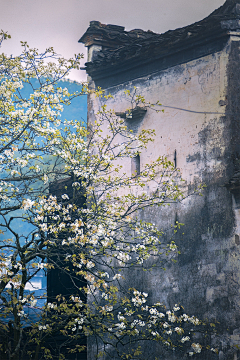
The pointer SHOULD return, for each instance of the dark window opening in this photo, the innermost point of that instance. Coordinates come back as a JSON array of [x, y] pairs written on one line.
[[175, 158], [135, 166], [176, 219], [62, 279]]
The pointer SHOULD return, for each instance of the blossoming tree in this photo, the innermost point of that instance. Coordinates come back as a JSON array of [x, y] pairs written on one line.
[[93, 241]]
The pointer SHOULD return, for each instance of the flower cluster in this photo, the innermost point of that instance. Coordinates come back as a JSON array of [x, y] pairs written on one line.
[[139, 298]]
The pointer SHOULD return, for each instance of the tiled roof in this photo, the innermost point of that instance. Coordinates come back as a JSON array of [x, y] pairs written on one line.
[[120, 46]]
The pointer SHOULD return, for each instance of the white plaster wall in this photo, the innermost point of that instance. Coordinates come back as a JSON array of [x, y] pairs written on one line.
[[191, 93], [194, 124]]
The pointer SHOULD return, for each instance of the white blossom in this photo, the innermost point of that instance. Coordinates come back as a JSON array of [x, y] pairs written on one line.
[[65, 197], [27, 204]]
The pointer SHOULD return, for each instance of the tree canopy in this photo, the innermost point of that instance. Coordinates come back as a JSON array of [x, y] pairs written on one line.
[[66, 181]]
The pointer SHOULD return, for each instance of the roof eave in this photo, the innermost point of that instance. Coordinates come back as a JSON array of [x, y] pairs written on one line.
[[126, 65]]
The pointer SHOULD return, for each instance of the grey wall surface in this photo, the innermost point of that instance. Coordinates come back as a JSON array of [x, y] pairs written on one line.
[[200, 126]]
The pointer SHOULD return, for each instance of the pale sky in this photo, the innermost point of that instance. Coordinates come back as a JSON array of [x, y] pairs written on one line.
[[61, 23]]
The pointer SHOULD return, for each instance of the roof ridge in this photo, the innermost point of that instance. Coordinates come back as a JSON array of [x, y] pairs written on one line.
[[226, 8], [127, 46]]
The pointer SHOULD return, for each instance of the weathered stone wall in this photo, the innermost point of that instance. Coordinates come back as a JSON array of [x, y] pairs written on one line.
[[200, 128]]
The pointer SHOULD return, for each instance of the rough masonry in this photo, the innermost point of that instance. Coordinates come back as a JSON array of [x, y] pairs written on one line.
[[194, 73]]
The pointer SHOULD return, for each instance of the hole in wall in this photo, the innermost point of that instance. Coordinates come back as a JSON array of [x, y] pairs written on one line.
[[175, 158], [237, 239], [135, 165]]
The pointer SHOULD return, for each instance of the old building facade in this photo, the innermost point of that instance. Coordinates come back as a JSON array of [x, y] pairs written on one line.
[[194, 73]]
